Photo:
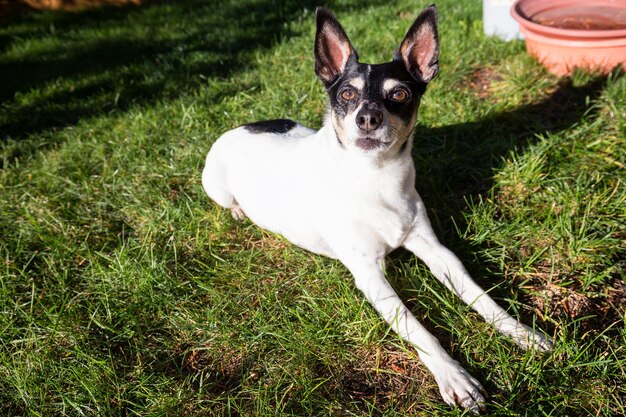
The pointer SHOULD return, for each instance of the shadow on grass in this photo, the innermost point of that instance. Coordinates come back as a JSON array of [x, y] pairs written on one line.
[[64, 67], [478, 147], [457, 162]]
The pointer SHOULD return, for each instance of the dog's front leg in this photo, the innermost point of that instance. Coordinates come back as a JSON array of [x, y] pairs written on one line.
[[457, 387], [448, 269]]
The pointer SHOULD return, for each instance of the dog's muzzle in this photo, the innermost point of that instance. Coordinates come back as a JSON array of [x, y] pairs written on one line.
[[369, 119]]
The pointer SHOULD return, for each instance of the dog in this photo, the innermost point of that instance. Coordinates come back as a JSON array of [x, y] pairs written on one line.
[[347, 191]]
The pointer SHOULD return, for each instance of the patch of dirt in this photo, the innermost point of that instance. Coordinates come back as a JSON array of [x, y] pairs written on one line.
[[382, 375], [480, 81], [514, 194], [602, 308], [224, 368], [558, 300], [554, 288]]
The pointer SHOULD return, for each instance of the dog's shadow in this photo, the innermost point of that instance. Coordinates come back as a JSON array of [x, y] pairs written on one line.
[[456, 163], [461, 158]]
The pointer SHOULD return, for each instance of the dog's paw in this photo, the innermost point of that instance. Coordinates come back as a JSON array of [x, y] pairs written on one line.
[[542, 342], [533, 339], [459, 388], [237, 212]]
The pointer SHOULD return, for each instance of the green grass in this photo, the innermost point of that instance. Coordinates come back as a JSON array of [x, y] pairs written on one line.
[[125, 291]]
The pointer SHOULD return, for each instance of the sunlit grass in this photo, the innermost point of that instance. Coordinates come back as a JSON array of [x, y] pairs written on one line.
[[125, 291]]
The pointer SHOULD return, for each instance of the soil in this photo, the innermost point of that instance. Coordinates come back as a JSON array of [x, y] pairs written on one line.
[[480, 81], [582, 23], [583, 17]]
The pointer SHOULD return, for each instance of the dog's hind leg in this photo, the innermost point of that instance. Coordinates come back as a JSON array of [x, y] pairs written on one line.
[[214, 179], [236, 211], [214, 184]]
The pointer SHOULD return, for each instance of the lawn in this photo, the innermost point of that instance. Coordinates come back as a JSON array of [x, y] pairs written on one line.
[[125, 291]]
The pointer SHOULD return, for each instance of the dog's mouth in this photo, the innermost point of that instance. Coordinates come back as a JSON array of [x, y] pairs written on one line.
[[368, 143]]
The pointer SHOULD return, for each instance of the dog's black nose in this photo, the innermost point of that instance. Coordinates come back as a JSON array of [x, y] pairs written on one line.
[[369, 119]]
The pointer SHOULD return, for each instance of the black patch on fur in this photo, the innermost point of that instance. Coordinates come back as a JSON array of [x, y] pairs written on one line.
[[277, 126], [330, 35], [375, 76]]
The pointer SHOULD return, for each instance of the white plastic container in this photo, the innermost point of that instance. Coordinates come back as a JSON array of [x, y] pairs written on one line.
[[497, 20]]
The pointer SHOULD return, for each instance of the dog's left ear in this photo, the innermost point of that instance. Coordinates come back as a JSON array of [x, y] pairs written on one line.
[[333, 50], [420, 48]]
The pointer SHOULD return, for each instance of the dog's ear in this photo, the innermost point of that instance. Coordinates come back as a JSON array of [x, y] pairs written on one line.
[[333, 50], [419, 49]]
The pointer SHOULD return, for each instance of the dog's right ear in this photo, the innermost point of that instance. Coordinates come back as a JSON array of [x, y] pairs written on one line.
[[333, 50]]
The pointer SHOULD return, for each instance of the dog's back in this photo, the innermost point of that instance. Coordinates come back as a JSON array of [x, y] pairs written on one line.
[[267, 170], [244, 148]]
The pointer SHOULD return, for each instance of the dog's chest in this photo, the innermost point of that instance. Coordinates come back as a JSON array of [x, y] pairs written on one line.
[[381, 206]]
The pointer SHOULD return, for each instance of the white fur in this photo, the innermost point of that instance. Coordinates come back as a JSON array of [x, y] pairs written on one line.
[[390, 84], [355, 206], [358, 83]]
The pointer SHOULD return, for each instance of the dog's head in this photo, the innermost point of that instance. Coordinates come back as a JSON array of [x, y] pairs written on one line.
[[373, 108]]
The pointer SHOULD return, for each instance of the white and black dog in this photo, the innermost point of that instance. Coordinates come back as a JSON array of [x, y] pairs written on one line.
[[347, 191]]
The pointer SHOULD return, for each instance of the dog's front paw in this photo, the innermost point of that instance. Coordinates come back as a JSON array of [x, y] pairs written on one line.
[[533, 339], [459, 388]]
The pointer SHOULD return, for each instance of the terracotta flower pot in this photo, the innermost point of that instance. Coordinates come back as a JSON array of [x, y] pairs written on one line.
[[564, 34]]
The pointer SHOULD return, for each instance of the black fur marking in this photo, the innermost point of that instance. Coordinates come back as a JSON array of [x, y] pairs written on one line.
[[278, 126], [375, 76]]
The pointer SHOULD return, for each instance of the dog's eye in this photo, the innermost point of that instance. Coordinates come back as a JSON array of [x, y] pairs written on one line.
[[400, 96], [348, 94]]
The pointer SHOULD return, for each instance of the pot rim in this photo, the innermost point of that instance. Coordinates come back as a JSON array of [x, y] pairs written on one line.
[[573, 43], [580, 34]]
